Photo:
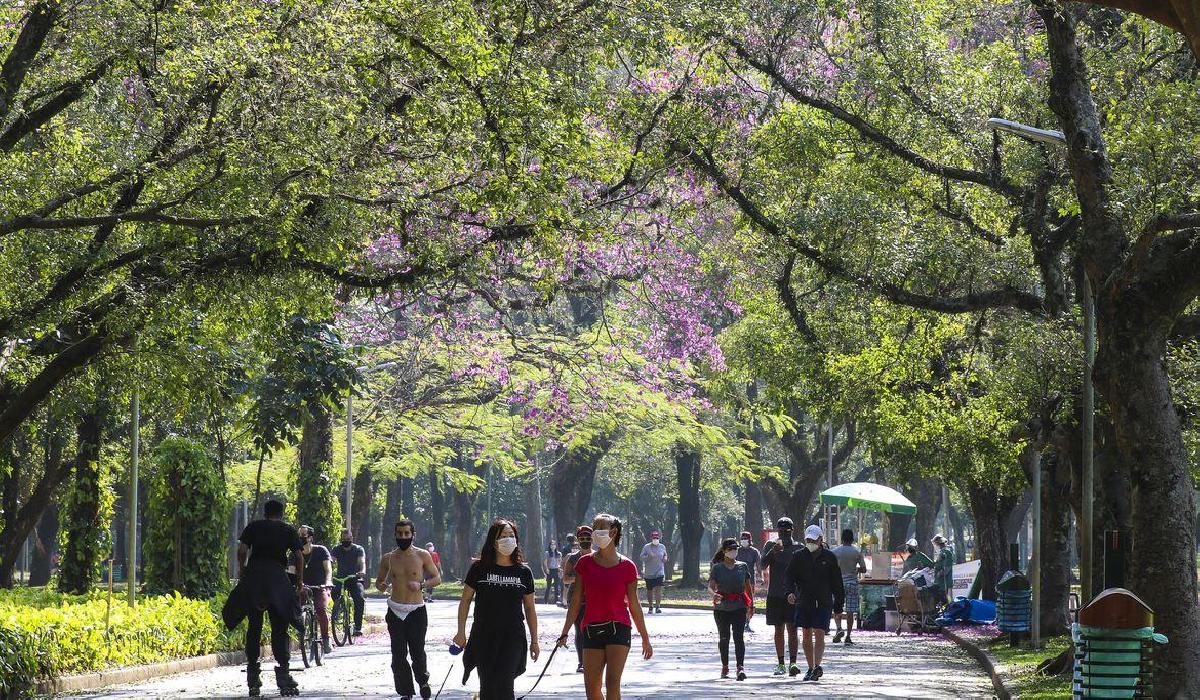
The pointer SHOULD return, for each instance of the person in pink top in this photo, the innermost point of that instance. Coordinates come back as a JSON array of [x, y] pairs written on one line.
[[609, 583]]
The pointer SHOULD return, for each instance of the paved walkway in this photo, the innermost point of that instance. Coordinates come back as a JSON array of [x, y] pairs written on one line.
[[685, 665]]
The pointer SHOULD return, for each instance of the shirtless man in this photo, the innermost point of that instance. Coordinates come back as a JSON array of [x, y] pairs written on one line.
[[407, 569]]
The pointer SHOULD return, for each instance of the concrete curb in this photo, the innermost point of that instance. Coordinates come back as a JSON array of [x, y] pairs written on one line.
[[138, 674], [984, 659]]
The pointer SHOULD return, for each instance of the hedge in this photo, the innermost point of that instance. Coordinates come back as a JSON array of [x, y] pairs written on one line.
[[67, 635]]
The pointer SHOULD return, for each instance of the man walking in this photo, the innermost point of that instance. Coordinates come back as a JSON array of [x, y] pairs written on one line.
[[781, 614], [583, 539], [851, 563], [815, 587], [943, 566], [552, 565], [654, 570], [406, 570], [351, 561], [749, 554], [263, 587], [437, 563]]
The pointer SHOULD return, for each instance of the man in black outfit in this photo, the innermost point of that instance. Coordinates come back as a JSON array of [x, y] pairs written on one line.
[[815, 588], [351, 561], [263, 587]]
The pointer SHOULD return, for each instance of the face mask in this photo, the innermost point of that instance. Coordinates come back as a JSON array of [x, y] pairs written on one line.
[[785, 536], [601, 538], [745, 543], [654, 541], [585, 544], [403, 542], [812, 546], [346, 543], [506, 545]]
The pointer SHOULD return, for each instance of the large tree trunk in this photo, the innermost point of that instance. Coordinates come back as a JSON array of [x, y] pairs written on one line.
[[960, 539], [532, 531], [691, 525], [1055, 546], [990, 511], [81, 557], [363, 499], [45, 544], [437, 508], [316, 491], [926, 493], [571, 483], [463, 527]]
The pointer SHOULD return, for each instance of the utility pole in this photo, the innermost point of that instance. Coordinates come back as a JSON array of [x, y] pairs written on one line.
[[1086, 563], [349, 456], [132, 500]]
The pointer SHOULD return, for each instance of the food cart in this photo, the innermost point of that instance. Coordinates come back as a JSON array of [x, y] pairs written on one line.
[[880, 583]]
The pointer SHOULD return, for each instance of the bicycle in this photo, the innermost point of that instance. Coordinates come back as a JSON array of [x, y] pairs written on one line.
[[310, 632], [342, 617]]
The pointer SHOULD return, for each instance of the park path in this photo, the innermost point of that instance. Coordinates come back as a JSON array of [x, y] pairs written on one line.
[[685, 665]]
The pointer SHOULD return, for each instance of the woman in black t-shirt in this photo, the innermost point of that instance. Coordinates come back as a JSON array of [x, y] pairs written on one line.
[[502, 586]]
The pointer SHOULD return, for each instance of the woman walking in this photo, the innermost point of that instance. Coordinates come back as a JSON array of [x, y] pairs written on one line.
[[609, 582], [502, 586], [733, 589]]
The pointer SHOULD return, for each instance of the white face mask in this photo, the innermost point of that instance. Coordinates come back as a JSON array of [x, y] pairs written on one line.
[[601, 538], [654, 541], [745, 543], [506, 545], [812, 546]]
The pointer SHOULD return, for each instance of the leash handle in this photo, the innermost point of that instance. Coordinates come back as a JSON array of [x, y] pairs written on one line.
[[543, 673]]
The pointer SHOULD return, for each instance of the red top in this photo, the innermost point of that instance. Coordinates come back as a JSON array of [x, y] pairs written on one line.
[[437, 559], [604, 589]]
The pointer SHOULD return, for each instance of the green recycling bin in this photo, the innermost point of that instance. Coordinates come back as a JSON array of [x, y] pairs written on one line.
[[1113, 663]]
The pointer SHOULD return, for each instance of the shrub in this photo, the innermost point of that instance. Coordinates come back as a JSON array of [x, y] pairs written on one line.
[[69, 635], [187, 515]]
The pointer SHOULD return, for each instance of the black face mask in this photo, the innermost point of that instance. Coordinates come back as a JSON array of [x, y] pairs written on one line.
[[404, 542], [346, 543], [785, 535]]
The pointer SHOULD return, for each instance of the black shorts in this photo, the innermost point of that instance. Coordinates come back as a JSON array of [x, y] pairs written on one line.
[[606, 633], [814, 618], [780, 612], [652, 583]]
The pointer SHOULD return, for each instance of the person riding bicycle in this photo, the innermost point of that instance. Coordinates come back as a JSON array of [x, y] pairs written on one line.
[[351, 561], [263, 587], [318, 576]]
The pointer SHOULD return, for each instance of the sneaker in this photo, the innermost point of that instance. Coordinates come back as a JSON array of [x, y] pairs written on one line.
[[848, 642], [660, 610], [724, 672], [748, 630], [426, 692], [808, 675], [780, 670], [794, 671], [579, 669], [325, 647], [817, 673], [741, 676], [837, 637], [358, 632]]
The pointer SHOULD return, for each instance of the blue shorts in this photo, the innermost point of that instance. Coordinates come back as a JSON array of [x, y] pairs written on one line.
[[816, 618]]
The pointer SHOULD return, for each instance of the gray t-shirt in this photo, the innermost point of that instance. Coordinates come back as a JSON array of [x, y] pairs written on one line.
[[654, 557], [730, 580], [850, 559], [776, 564], [750, 556]]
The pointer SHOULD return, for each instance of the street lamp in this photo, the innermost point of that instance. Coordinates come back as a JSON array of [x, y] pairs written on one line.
[[1058, 138]]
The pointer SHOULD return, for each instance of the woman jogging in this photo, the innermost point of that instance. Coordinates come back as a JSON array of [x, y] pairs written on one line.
[[733, 590], [609, 581], [501, 585]]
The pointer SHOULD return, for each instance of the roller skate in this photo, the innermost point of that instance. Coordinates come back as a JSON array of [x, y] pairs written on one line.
[[287, 684], [254, 679]]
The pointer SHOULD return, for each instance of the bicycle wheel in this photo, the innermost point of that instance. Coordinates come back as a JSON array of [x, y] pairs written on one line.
[[348, 618], [306, 619], [340, 637]]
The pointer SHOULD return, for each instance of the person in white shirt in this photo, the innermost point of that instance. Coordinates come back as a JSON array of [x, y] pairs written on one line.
[[654, 571]]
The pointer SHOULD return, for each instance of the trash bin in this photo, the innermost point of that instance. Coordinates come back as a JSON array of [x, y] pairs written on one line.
[[1114, 641], [1014, 603]]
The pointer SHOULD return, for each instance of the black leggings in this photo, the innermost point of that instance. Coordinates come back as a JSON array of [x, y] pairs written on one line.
[[280, 642], [579, 635], [408, 640], [728, 620]]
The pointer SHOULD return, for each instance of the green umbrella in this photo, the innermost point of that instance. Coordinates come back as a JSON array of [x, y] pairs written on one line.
[[869, 496]]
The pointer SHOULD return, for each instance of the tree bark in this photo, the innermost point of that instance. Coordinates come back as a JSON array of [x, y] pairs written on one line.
[[316, 491], [926, 493], [990, 510], [82, 554], [532, 530], [1055, 546], [571, 482], [691, 526], [437, 507], [45, 544], [363, 495]]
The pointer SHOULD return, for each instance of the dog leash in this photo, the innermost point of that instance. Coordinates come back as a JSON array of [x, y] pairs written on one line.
[[453, 657], [543, 673]]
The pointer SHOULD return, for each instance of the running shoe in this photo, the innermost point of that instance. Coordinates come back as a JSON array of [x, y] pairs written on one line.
[[724, 672], [741, 676], [579, 669], [780, 670], [817, 673], [808, 675], [850, 643], [837, 637], [794, 671], [426, 692]]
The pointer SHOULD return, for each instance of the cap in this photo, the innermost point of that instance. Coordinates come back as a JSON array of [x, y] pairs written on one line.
[[938, 539], [655, 533], [746, 535], [583, 530], [912, 542], [784, 523], [812, 532]]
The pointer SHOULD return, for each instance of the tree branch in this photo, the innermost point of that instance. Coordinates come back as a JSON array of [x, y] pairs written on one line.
[[30, 121]]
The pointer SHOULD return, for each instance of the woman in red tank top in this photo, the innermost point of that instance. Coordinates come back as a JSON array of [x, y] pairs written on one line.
[[609, 583]]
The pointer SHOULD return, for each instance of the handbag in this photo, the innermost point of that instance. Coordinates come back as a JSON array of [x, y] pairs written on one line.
[[601, 630]]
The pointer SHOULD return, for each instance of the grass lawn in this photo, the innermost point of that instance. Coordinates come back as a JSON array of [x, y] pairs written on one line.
[[1017, 667]]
